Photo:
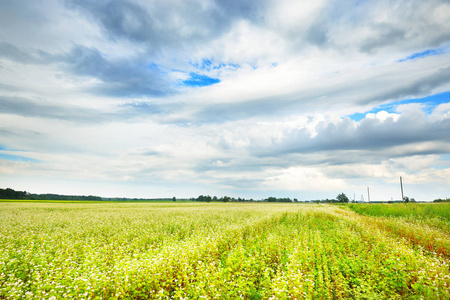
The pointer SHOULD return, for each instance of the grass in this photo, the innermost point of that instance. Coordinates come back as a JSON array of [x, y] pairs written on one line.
[[215, 251], [416, 210], [417, 215]]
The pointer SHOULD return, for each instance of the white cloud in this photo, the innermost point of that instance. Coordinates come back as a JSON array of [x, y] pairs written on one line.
[[304, 179], [383, 115], [92, 91]]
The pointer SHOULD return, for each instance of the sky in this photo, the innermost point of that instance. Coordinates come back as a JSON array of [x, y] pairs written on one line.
[[252, 99]]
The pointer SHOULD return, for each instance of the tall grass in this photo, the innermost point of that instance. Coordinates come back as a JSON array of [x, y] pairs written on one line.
[[418, 210]]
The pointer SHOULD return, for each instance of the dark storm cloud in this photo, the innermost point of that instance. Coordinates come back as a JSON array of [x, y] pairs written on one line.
[[164, 24], [123, 77], [373, 134], [370, 90], [370, 135], [133, 77], [121, 19], [21, 22], [168, 30], [413, 89], [375, 26]]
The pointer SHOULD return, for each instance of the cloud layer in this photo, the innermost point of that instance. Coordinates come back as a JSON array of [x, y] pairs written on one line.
[[256, 99]]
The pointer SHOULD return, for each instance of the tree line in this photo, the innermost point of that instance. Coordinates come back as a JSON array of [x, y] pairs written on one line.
[[9, 193], [341, 198], [203, 198], [442, 200]]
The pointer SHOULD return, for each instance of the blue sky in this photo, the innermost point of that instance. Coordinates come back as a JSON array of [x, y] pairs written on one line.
[[198, 80], [15, 158], [300, 99], [428, 105], [428, 52]]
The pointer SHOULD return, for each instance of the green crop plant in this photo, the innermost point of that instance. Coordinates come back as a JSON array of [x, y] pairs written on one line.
[[217, 251], [415, 210]]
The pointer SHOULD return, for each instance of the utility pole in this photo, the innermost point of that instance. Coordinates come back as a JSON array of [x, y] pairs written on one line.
[[401, 187], [368, 194]]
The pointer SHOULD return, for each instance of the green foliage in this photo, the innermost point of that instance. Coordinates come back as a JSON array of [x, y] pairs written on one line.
[[442, 200], [406, 199], [421, 216], [12, 194], [19, 195], [418, 210], [215, 251], [273, 199], [208, 198], [342, 198]]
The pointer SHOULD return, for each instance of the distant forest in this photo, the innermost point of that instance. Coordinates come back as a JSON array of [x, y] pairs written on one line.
[[9, 193], [22, 195], [442, 200], [208, 198]]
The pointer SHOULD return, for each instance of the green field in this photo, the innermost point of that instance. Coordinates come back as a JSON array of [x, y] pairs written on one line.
[[415, 210], [220, 251], [435, 215]]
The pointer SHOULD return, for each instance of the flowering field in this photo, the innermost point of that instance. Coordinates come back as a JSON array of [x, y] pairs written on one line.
[[217, 251]]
